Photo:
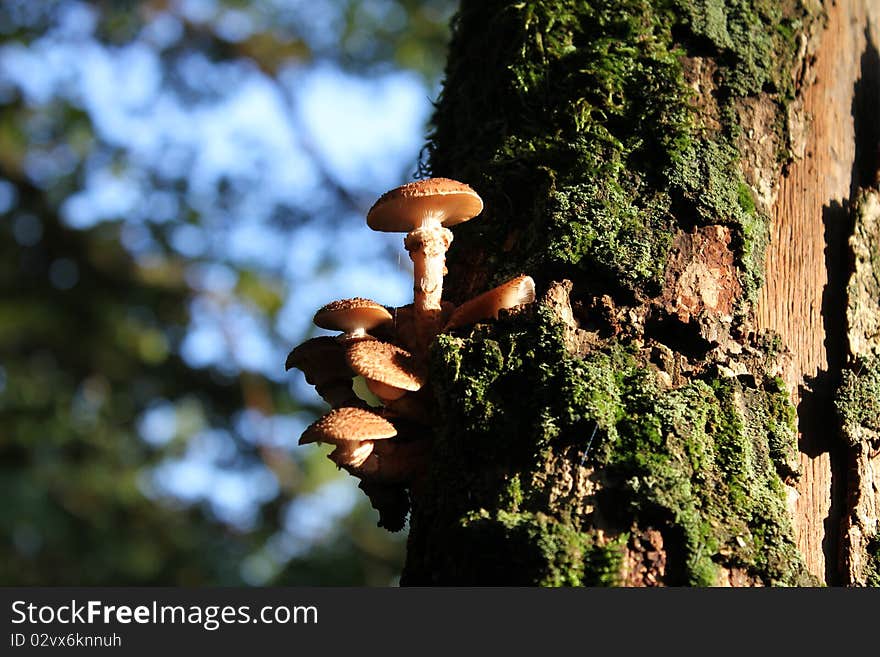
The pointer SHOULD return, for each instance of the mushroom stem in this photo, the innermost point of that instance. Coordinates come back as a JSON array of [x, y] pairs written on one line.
[[427, 246], [351, 457], [357, 334]]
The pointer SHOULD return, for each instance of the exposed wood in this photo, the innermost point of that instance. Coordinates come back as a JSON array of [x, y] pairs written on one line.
[[804, 297]]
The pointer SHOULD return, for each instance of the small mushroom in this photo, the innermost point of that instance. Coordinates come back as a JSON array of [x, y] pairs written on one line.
[[424, 209], [515, 292], [388, 370], [354, 317], [342, 425]]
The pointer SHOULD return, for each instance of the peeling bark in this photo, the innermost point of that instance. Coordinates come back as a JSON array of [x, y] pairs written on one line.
[[701, 281]]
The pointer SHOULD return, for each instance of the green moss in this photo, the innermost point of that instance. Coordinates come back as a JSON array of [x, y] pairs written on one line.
[[687, 458], [750, 37], [746, 202], [768, 412], [539, 550], [873, 561], [858, 398], [512, 497], [603, 562], [702, 462]]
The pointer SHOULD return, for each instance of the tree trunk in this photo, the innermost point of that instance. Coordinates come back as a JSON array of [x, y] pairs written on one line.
[[694, 399]]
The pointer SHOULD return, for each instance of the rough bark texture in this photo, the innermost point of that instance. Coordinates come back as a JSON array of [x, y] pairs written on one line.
[[805, 298], [858, 398], [634, 427]]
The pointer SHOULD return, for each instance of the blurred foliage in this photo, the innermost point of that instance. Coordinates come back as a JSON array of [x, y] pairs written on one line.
[[93, 315]]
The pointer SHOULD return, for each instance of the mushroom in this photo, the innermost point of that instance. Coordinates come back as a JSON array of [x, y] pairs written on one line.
[[391, 459], [354, 317], [424, 209], [515, 292], [320, 359], [323, 362], [388, 370], [394, 376], [344, 425]]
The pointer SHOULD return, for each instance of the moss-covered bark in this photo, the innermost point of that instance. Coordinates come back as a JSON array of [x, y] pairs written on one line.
[[858, 396], [629, 429], [580, 126]]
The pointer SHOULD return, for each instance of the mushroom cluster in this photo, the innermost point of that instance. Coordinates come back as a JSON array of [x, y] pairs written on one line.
[[386, 441]]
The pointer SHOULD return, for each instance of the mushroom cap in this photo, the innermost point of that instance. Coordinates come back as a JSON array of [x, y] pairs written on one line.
[[321, 359], [348, 424], [406, 207], [515, 292], [352, 314], [386, 363]]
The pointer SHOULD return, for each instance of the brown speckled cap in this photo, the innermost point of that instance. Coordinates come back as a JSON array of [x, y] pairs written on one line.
[[350, 315], [386, 363], [348, 424], [404, 208]]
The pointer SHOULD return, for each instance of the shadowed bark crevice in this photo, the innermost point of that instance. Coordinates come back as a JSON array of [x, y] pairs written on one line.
[[865, 112]]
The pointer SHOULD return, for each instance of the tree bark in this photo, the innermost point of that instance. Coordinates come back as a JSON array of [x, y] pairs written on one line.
[[676, 175]]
